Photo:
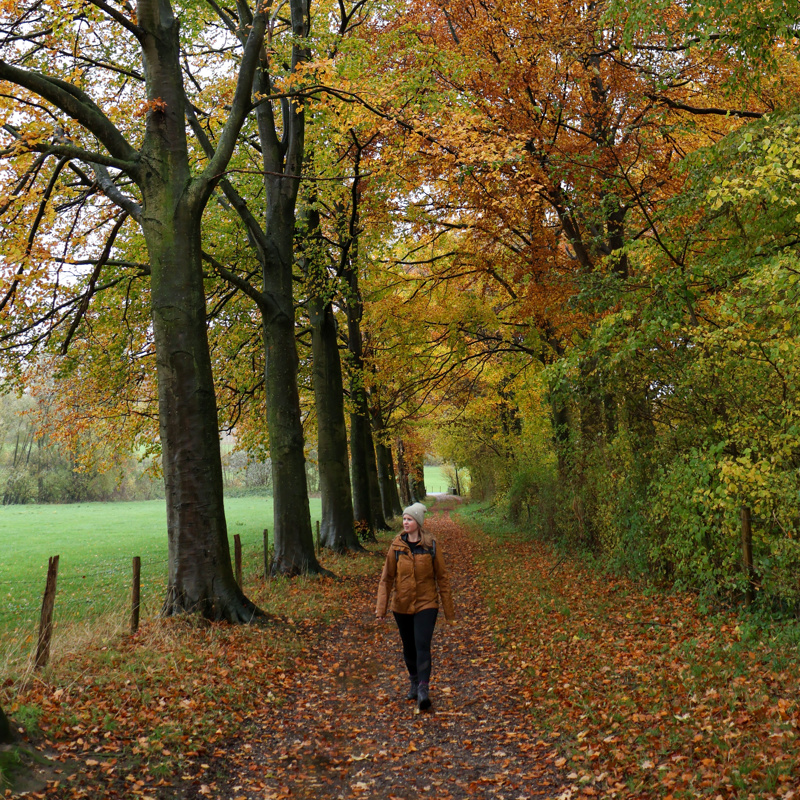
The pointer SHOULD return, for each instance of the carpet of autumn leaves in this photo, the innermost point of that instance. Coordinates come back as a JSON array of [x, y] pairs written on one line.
[[557, 682], [649, 696]]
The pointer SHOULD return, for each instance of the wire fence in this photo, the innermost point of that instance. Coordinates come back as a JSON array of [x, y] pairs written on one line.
[[92, 603]]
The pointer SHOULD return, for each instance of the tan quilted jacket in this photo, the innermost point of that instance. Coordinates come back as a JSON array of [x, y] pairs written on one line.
[[418, 581]]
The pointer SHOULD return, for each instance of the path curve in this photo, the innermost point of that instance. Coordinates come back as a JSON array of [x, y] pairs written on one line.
[[349, 734]]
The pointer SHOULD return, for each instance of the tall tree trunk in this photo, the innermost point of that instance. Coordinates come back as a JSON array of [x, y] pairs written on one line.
[[361, 450], [293, 538], [375, 499], [390, 500], [362, 499], [561, 433], [418, 490], [397, 506], [6, 734], [337, 528], [283, 159], [200, 571], [403, 478]]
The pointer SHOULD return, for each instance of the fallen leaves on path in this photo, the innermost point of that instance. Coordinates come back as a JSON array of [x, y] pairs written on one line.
[[343, 729]]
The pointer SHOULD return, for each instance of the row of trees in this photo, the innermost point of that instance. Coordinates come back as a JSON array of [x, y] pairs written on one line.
[[121, 125], [619, 203], [557, 241]]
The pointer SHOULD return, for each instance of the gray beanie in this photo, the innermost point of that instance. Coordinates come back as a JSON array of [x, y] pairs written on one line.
[[417, 512]]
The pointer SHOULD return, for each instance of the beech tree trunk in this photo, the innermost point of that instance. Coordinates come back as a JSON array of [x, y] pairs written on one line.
[[293, 538], [375, 499], [337, 528], [403, 478], [397, 506], [200, 571], [282, 156], [362, 500], [390, 500], [360, 433], [6, 734]]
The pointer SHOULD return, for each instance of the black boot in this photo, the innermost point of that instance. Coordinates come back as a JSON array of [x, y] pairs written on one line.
[[423, 701], [412, 689]]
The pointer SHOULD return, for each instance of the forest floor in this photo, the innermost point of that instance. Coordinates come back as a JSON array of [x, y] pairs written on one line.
[[559, 681]]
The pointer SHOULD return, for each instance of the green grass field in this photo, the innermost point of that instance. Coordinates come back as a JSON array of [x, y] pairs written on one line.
[[439, 479], [96, 543]]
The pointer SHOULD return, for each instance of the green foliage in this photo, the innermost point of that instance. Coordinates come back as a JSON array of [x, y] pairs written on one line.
[[699, 353]]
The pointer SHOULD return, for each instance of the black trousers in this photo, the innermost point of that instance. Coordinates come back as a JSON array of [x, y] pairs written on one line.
[[416, 631]]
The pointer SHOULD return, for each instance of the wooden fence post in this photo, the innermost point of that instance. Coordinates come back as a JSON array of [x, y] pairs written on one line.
[[237, 557], [46, 619], [319, 543], [136, 593], [267, 565]]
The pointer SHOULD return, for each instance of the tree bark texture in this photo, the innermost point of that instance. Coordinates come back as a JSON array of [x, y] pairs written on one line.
[[362, 454], [375, 498], [293, 537], [397, 506], [390, 500], [6, 734], [403, 478], [282, 157], [337, 527], [200, 571], [418, 490], [362, 499]]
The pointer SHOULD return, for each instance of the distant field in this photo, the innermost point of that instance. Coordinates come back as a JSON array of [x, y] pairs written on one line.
[[436, 479], [96, 543]]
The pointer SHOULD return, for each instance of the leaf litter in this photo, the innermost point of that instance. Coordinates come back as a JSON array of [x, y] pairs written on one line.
[[557, 682]]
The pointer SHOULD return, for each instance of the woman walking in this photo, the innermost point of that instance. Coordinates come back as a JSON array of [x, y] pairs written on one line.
[[415, 568]]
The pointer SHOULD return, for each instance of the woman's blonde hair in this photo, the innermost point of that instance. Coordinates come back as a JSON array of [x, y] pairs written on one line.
[[425, 538]]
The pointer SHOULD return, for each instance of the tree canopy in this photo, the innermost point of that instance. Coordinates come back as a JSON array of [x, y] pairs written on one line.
[[554, 244]]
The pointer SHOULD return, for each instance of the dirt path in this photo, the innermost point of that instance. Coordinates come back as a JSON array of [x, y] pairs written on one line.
[[344, 731]]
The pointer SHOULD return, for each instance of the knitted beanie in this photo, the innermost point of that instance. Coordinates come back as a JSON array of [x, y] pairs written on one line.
[[417, 512]]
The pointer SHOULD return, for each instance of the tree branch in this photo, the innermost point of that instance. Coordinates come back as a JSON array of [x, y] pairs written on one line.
[[78, 105], [241, 106], [90, 290], [722, 112]]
